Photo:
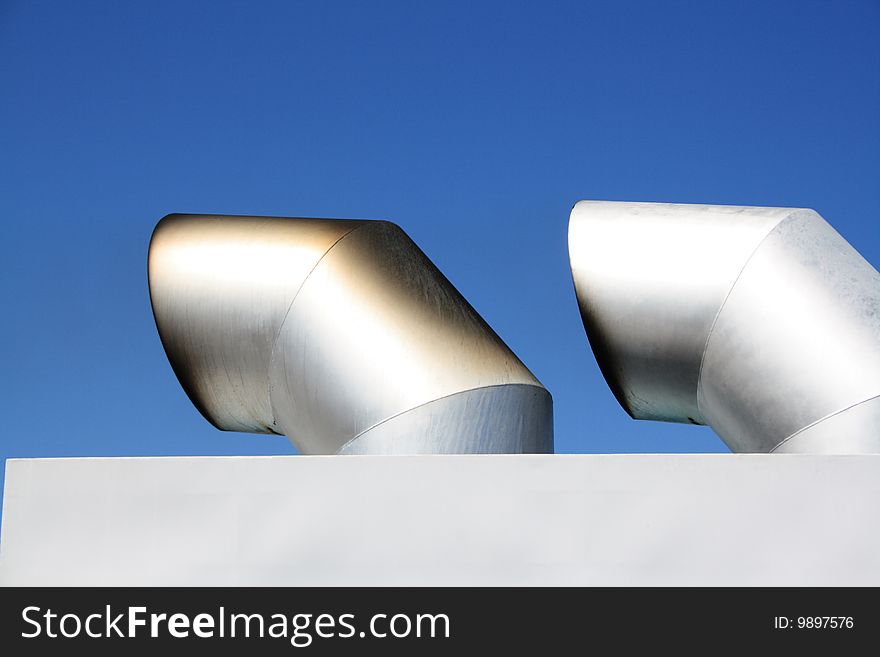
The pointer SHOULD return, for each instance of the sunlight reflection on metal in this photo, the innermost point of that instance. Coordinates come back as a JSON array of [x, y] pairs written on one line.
[[340, 334], [762, 322]]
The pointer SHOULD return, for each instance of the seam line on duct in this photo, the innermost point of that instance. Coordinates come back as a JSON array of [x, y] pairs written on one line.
[[727, 296], [822, 419], [431, 401], [290, 306]]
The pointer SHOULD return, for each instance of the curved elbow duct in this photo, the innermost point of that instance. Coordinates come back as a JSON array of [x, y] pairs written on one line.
[[763, 323], [341, 335]]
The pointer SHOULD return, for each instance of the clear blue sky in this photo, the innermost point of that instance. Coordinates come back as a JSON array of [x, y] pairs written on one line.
[[474, 125]]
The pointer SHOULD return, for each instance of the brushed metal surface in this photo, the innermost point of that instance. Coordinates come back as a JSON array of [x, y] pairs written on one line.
[[322, 329], [480, 421], [797, 339], [220, 289], [757, 321], [649, 279], [854, 430]]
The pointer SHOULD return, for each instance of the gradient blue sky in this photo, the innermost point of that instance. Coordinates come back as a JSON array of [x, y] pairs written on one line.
[[474, 125]]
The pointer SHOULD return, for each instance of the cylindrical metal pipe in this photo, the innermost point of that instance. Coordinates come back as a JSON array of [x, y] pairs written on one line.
[[762, 322], [340, 334]]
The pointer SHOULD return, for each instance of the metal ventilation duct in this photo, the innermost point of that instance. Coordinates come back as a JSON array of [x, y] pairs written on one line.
[[341, 335], [763, 323]]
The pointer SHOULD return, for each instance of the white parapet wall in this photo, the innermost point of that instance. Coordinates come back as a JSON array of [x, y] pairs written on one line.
[[443, 520]]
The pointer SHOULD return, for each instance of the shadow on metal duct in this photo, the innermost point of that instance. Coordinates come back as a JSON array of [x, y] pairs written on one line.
[[763, 323], [341, 335]]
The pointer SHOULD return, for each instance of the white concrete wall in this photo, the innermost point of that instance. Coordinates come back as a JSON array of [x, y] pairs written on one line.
[[443, 520]]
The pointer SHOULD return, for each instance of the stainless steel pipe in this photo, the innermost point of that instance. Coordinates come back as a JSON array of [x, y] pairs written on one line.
[[341, 335], [763, 323]]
